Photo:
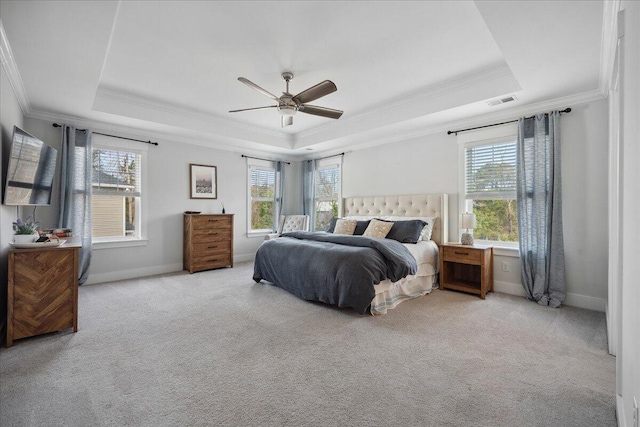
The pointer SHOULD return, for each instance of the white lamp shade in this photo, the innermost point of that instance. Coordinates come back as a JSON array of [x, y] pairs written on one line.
[[468, 220]]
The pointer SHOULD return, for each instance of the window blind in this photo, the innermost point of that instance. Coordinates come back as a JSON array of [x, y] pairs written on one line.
[[328, 183], [490, 172], [263, 183], [116, 173]]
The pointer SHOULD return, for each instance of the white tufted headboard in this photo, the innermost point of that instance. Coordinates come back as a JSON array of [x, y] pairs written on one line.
[[433, 205]]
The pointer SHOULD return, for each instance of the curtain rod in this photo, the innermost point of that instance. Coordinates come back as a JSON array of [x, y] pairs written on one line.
[[328, 157], [266, 160], [566, 110], [55, 125]]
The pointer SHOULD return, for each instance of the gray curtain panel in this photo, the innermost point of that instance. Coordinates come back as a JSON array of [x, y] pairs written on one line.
[[309, 191], [75, 191], [539, 201], [279, 194]]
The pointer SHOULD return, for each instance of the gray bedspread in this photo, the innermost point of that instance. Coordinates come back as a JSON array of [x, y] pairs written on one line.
[[331, 268]]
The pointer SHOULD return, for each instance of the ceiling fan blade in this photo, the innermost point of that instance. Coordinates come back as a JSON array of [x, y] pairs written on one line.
[[258, 88], [321, 111], [287, 120], [256, 108], [314, 92]]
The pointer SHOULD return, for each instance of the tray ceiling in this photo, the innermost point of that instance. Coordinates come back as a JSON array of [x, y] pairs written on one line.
[[171, 67]]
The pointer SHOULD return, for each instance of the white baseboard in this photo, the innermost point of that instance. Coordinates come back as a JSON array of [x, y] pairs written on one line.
[[135, 273], [509, 288], [573, 300], [245, 257], [620, 411]]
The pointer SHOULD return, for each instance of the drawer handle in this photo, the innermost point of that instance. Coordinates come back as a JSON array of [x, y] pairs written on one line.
[[212, 247], [213, 220], [212, 233], [461, 253]]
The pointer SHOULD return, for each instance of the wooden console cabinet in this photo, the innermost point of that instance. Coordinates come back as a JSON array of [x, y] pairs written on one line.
[[42, 293], [467, 268], [208, 242]]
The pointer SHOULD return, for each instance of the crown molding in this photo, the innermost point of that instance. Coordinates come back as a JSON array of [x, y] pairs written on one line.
[[10, 67], [609, 43], [166, 136], [208, 119], [459, 83], [472, 121]]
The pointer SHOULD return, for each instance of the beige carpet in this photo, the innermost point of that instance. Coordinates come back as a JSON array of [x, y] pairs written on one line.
[[214, 348]]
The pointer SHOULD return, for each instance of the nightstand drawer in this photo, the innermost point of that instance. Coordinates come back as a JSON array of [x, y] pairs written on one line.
[[462, 255]]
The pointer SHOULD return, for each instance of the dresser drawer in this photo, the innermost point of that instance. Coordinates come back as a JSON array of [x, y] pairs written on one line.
[[212, 261], [211, 248], [462, 255], [208, 236], [206, 222]]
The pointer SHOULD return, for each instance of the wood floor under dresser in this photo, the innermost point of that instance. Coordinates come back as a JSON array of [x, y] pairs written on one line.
[[208, 242]]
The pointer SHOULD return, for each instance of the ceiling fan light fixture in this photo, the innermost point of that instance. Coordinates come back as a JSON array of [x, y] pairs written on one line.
[[287, 111]]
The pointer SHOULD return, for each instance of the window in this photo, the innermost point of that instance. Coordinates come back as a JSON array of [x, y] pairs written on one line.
[[262, 198], [116, 193], [490, 189], [327, 194]]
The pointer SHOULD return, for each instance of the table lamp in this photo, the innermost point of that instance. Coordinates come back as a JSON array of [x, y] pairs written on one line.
[[467, 221]]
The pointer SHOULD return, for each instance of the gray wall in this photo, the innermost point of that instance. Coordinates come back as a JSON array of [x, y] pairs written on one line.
[[10, 115], [167, 198], [430, 165]]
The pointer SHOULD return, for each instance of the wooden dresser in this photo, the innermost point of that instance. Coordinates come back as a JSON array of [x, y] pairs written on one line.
[[42, 293], [208, 242]]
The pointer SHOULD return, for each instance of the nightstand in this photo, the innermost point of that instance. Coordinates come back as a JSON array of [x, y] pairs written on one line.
[[467, 268]]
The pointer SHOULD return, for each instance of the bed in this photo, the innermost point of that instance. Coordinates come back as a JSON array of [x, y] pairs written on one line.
[[324, 267]]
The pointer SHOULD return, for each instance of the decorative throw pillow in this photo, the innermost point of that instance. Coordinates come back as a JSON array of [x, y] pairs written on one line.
[[428, 228], [345, 226], [407, 231], [378, 229]]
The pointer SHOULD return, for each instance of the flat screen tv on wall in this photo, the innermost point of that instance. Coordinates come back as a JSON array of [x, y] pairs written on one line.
[[32, 165]]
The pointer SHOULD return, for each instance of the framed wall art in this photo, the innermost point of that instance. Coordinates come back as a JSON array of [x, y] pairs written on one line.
[[204, 181]]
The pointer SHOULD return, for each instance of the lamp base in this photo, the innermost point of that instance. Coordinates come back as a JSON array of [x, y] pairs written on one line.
[[466, 239]]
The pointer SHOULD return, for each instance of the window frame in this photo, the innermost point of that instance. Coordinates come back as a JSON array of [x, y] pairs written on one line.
[[327, 164], [264, 165], [109, 143], [489, 136]]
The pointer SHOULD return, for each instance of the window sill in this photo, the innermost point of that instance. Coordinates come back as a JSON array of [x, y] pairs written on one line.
[[118, 243], [258, 233], [502, 248]]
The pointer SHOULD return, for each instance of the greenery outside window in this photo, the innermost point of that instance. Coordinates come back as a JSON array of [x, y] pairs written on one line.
[[327, 194], [490, 190], [262, 198]]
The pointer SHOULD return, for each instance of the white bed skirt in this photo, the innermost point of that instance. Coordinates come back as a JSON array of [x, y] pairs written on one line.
[[390, 294]]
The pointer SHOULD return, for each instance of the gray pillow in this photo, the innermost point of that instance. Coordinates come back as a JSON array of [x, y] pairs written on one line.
[[406, 231]]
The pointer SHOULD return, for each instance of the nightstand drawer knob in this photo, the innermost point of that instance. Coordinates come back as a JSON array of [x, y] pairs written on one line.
[[461, 253]]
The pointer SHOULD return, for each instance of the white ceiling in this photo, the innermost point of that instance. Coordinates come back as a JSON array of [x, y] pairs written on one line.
[[171, 67]]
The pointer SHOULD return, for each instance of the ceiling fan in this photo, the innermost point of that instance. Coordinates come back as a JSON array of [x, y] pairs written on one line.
[[289, 104]]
